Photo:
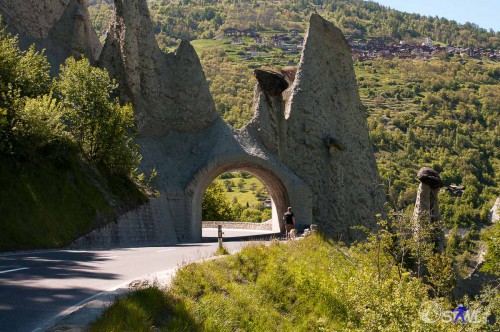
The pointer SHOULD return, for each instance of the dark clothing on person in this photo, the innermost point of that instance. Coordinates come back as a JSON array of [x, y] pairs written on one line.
[[288, 217]]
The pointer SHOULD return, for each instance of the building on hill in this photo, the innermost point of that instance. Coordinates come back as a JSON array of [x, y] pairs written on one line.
[[236, 41], [363, 51], [427, 42], [249, 32], [260, 40], [294, 33], [278, 40], [231, 32]]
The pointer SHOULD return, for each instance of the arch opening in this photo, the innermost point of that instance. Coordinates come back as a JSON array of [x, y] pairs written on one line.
[[237, 197], [274, 186]]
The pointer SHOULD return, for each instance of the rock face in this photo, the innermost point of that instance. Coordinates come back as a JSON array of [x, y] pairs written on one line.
[[308, 141], [430, 177], [494, 212], [169, 91], [320, 132], [272, 83], [426, 216], [61, 27]]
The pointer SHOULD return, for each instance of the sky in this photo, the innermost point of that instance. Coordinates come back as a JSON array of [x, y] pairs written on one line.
[[484, 13]]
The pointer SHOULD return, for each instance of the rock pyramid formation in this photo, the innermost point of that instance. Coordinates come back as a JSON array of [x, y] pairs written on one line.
[[169, 91], [318, 128], [61, 27]]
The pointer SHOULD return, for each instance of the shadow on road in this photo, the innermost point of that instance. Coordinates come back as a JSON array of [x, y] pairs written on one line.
[[36, 292]]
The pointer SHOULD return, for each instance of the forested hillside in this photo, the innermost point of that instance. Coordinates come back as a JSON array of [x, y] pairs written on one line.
[[195, 19], [441, 113], [67, 160]]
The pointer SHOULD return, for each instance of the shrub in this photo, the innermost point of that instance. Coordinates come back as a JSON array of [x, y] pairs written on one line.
[[100, 126], [215, 207], [39, 126]]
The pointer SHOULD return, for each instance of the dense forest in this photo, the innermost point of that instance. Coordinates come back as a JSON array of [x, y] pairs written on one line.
[[441, 113]]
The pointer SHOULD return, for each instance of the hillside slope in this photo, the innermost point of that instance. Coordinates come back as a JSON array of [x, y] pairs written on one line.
[[67, 161], [48, 204], [306, 285], [195, 19]]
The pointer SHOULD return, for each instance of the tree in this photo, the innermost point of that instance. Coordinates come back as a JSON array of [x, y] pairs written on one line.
[[39, 126], [100, 125], [251, 215], [266, 215], [23, 74], [492, 259], [215, 207], [441, 275], [241, 184]]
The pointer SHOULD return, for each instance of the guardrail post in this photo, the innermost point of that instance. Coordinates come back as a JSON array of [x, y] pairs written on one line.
[[220, 236]]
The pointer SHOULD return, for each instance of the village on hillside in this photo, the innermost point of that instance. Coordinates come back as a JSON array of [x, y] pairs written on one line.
[[369, 50], [293, 42]]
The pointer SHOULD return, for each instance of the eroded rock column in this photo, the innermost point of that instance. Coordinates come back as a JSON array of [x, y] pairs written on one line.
[[426, 218]]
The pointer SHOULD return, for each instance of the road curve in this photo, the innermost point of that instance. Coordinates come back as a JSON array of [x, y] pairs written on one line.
[[37, 286]]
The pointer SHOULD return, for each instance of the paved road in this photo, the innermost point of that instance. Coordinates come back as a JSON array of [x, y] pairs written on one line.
[[37, 286]]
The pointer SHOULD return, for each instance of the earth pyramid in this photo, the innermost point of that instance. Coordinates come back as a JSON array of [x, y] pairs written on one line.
[[308, 141], [61, 27]]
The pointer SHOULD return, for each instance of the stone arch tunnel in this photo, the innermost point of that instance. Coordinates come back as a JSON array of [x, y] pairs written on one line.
[[308, 140], [283, 187]]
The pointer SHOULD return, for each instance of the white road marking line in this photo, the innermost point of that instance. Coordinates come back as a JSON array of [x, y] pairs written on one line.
[[171, 249], [14, 270]]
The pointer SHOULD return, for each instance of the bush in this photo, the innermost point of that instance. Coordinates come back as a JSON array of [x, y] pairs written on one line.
[[215, 207], [39, 126], [251, 215]]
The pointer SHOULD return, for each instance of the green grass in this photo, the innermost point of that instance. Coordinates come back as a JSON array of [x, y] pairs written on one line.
[[222, 251], [46, 205], [142, 311], [308, 285], [245, 194], [201, 44]]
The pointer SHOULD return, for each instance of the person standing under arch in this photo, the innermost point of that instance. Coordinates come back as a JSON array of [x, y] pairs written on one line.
[[289, 220]]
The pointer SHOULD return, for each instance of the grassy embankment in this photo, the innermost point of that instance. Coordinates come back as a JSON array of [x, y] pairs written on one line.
[[309, 285], [46, 205]]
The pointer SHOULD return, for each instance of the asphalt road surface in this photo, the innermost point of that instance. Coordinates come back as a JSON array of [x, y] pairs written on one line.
[[35, 287]]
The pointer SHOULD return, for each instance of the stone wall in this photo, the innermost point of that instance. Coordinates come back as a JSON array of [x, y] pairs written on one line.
[[264, 226], [140, 227]]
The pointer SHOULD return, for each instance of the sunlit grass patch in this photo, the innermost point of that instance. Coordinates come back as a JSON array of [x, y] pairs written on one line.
[[222, 251], [309, 285]]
